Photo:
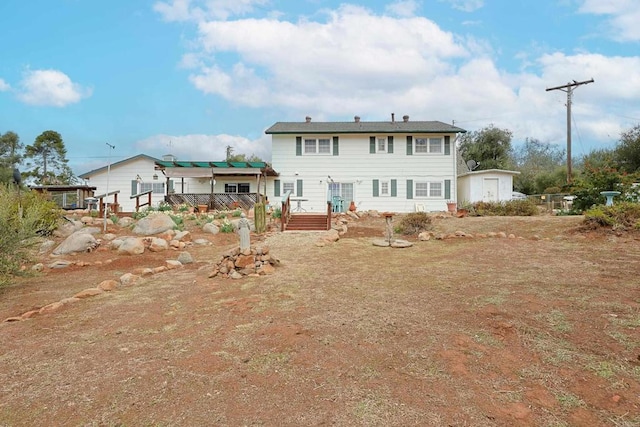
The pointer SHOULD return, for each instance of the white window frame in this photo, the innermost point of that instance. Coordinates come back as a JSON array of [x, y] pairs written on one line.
[[429, 149], [381, 144], [434, 190], [237, 185], [289, 185], [385, 188], [317, 146], [157, 187]]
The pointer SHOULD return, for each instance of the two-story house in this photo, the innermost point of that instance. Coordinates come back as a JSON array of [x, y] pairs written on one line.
[[397, 166]]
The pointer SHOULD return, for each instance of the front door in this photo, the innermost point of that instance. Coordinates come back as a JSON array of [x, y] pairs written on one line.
[[490, 190]]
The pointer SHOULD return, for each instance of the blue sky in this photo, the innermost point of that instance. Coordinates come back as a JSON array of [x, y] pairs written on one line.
[[190, 77]]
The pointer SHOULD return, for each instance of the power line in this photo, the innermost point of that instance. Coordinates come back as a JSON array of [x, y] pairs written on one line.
[[569, 88]]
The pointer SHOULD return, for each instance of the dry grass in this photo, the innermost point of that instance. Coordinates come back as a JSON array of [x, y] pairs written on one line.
[[465, 331]]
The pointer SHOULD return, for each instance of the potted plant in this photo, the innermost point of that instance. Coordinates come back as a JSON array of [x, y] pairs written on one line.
[[452, 206]]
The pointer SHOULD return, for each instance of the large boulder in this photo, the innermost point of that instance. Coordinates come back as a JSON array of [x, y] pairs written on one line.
[[67, 228], [154, 224], [125, 222], [131, 246], [211, 227], [157, 244], [77, 242]]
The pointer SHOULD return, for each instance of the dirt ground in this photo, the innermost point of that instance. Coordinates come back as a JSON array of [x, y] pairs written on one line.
[[541, 329]]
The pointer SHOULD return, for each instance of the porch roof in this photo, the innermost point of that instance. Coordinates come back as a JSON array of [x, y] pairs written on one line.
[[203, 169]]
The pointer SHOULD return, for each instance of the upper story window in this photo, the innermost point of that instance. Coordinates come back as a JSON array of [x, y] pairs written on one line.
[[317, 146], [381, 145], [428, 146]]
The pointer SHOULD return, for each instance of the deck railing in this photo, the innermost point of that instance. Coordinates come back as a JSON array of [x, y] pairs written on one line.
[[137, 197], [214, 201], [285, 211]]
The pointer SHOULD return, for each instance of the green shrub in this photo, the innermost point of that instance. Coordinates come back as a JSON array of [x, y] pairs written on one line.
[[552, 190], [509, 208], [23, 217], [520, 208], [164, 207], [277, 213], [236, 213], [179, 220], [414, 223], [226, 227], [620, 216], [143, 213]]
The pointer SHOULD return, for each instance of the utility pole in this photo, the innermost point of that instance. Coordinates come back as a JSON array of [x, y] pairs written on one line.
[[106, 197], [569, 88]]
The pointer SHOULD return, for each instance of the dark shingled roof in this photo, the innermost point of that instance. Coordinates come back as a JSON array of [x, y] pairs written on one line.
[[362, 127]]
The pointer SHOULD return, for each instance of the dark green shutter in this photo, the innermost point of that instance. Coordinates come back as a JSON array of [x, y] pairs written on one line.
[[390, 145], [335, 146], [170, 186], [298, 146], [376, 188], [447, 189], [276, 188], [299, 188], [372, 145], [447, 145], [409, 145], [409, 189], [394, 187], [134, 187]]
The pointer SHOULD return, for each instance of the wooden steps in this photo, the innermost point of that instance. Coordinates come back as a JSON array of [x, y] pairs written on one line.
[[307, 222]]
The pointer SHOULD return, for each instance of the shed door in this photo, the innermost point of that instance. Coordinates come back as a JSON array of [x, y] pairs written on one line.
[[490, 190]]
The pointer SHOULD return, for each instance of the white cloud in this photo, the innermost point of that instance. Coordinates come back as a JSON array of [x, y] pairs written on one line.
[[204, 147], [466, 5], [198, 10], [279, 60], [624, 17], [351, 61], [4, 86], [403, 8], [176, 10], [50, 88]]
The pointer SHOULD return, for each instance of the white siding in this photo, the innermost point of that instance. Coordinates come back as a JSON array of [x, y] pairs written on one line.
[[356, 165], [120, 177], [471, 187]]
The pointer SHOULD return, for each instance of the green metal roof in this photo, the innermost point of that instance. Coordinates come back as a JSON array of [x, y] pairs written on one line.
[[189, 164], [362, 127]]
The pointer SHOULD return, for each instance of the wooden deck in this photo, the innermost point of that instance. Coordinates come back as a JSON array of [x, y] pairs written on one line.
[[214, 201]]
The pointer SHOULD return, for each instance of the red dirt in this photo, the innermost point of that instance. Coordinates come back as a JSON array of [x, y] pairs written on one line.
[[540, 329]]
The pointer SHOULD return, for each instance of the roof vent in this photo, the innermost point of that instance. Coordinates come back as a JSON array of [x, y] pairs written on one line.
[[307, 119], [393, 117], [357, 119], [405, 118]]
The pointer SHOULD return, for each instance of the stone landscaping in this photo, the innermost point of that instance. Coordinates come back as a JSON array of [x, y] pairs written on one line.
[[155, 233]]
